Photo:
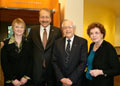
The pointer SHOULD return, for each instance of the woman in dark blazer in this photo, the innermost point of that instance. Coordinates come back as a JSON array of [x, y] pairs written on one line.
[[103, 63], [16, 57]]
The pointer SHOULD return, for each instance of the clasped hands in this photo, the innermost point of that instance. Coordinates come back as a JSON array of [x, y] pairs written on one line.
[[19, 82], [96, 72], [66, 82]]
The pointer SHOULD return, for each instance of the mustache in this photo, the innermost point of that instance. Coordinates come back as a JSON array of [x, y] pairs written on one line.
[[68, 32], [45, 21]]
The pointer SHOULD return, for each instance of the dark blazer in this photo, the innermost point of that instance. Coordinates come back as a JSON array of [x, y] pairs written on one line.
[[77, 61], [107, 60], [39, 53], [15, 65]]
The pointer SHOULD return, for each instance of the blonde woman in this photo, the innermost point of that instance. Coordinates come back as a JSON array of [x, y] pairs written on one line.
[[16, 57]]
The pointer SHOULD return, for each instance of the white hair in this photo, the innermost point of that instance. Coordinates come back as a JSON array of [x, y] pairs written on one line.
[[68, 20]]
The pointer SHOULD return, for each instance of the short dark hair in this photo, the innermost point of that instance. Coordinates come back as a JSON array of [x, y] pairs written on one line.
[[99, 26], [47, 10]]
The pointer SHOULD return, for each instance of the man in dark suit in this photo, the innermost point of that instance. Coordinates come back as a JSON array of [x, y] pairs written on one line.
[[69, 56], [43, 37]]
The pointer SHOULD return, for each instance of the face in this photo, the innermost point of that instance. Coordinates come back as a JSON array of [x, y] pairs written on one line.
[[18, 29], [44, 18], [68, 29], [95, 35]]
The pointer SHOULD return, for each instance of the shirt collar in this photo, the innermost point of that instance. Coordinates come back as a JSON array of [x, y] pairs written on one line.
[[12, 40], [70, 38], [47, 28]]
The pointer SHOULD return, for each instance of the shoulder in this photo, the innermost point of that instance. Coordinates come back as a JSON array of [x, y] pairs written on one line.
[[55, 28], [60, 40], [107, 47], [26, 42], [24, 39], [91, 45], [35, 27], [107, 44], [6, 41], [80, 39]]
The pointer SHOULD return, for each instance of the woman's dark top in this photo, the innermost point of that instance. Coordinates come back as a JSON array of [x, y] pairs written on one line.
[[105, 59], [16, 62]]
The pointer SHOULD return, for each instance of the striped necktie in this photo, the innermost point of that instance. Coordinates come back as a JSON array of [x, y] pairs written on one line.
[[67, 51]]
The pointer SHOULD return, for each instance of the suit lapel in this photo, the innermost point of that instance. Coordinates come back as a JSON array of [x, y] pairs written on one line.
[[37, 39], [50, 39], [63, 47], [74, 45], [63, 44]]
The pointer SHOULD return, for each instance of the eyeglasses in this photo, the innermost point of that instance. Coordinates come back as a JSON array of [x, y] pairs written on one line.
[[65, 27], [43, 17]]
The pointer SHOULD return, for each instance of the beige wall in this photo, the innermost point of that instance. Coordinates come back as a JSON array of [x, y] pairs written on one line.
[[83, 14], [74, 11], [62, 9]]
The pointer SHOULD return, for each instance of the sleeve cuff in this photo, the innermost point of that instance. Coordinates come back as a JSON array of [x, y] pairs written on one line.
[[104, 74], [9, 81], [26, 77]]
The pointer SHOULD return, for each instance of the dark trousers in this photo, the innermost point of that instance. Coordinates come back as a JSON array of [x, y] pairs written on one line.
[[87, 82], [45, 84], [13, 85], [44, 81]]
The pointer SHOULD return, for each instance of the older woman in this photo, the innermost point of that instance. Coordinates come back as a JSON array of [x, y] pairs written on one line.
[[16, 56], [103, 63]]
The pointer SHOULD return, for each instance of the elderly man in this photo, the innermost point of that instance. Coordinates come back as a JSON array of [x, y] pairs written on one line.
[[69, 56]]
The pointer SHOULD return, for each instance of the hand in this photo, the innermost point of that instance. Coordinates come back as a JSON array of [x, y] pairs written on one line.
[[66, 85], [1, 44], [23, 80], [96, 72], [16, 82], [66, 82]]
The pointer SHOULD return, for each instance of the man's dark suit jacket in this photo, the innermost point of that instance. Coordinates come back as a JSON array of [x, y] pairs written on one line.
[[39, 53], [105, 59], [77, 61]]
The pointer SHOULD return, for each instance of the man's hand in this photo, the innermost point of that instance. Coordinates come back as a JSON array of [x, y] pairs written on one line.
[[23, 80], [66, 82]]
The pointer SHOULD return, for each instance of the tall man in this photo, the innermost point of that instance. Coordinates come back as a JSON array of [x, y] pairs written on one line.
[[69, 56], [43, 37]]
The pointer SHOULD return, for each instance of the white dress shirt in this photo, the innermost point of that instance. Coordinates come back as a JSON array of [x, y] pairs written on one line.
[[42, 31], [71, 42]]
